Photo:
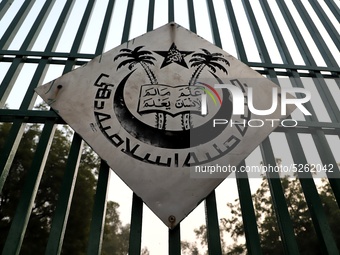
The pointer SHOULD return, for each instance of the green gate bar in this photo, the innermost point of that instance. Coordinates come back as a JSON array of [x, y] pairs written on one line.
[[19, 119]]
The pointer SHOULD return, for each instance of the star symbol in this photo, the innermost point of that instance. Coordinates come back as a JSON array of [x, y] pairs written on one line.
[[173, 55]]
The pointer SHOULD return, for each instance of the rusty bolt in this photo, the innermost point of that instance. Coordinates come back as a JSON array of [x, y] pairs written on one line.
[[172, 219]]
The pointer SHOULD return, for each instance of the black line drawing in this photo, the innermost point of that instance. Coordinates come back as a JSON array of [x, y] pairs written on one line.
[[199, 61], [145, 59]]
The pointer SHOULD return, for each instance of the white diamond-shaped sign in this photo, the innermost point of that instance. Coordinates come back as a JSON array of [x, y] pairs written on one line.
[[150, 108]]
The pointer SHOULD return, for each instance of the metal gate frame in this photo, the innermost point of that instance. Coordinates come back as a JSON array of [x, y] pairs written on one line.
[[25, 114]]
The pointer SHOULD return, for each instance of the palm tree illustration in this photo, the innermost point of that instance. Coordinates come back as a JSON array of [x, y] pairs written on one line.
[[138, 56], [206, 59], [212, 61], [145, 59]]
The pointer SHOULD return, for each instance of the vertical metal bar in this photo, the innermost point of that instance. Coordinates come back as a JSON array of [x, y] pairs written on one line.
[[261, 46], [79, 37], [137, 203], [16, 23], [318, 136], [248, 214], [39, 75], [175, 241], [213, 230], [61, 213], [191, 12], [99, 211], [99, 207], [171, 11], [16, 66], [279, 203], [135, 240], [9, 80], [13, 139], [278, 199], [151, 14], [284, 222], [23, 211], [241, 53], [287, 234], [59, 27], [37, 26], [329, 26], [82, 28], [17, 128], [321, 142], [27, 45], [213, 24], [320, 84], [276, 32], [60, 217], [334, 9], [127, 23], [327, 98], [320, 43], [313, 200], [327, 158], [105, 28], [4, 6], [298, 38], [9, 150]]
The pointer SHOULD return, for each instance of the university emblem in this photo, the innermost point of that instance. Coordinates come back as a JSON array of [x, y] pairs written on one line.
[[155, 109]]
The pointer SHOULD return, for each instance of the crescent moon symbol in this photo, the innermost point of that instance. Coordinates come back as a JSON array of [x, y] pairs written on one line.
[[170, 139]]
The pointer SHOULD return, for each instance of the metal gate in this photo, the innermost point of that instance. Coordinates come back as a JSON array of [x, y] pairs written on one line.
[[290, 38]]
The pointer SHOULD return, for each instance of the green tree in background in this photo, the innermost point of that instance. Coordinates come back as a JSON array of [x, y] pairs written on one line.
[[267, 223], [76, 236], [113, 241]]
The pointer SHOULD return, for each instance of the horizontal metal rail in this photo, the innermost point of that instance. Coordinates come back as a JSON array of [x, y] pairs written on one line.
[[16, 59]]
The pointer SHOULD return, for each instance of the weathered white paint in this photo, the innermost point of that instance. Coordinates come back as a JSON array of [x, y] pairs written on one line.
[[88, 100]]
